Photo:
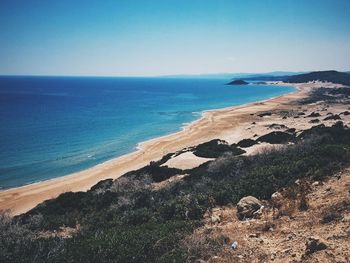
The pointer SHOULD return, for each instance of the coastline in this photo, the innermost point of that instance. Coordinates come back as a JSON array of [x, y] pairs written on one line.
[[203, 114], [212, 124]]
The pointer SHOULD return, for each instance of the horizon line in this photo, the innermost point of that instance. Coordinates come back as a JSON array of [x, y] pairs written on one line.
[[170, 75], [166, 75]]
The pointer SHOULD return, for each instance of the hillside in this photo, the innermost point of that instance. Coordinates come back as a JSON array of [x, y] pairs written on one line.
[[164, 212], [235, 75], [285, 235], [329, 76]]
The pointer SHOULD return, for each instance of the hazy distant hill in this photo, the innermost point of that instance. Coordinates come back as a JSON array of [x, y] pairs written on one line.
[[246, 76], [265, 78], [329, 75], [271, 76]]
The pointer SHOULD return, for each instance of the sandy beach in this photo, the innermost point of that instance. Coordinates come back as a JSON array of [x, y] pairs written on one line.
[[230, 124]]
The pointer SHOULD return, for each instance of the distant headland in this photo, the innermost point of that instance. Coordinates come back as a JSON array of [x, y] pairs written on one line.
[[238, 82]]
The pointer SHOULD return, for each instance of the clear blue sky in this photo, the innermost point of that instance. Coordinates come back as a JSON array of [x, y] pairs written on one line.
[[144, 37]]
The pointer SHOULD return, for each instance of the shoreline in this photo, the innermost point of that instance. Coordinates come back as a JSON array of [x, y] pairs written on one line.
[[138, 145], [23, 198], [204, 112]]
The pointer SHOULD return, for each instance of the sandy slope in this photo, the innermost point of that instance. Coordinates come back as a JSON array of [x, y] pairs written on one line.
[[230, 124]]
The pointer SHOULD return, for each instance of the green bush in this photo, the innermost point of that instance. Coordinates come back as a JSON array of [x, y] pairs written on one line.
[[142, 243], [246, 143], [216, 148], [277, 137]]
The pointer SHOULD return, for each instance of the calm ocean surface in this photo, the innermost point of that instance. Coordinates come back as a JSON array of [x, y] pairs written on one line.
[[53, 126]]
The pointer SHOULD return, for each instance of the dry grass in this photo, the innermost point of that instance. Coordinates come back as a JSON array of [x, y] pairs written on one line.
[[205, 243], [335, 212], [294, 199], [281, 238]]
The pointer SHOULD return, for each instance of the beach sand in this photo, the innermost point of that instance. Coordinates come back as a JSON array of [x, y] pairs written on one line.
[[231, 124]]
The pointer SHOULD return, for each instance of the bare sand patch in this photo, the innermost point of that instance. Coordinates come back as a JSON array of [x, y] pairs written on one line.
[[186, 160]]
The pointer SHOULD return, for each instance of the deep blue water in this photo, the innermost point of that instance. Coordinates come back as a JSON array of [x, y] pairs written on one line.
[[52, 126]]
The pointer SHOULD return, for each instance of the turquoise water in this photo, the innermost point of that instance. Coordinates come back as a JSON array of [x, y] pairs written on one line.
[[53, 126]]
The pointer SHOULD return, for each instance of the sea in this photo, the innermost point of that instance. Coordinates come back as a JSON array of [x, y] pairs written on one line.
[[54, 126]]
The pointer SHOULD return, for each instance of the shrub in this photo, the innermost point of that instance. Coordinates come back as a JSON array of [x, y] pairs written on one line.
[[102, 185], [277, 137], [246, 143], [332, 117], [216, 148], [185, 207], [123, 243]]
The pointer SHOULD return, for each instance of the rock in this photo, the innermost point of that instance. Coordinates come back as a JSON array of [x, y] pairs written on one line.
[[216, 259], [259, 212], [346, 218], [215, 219], [291, 130], [316, 183], [286, 251], [314, 244], [290, 237], [247, 206], [276, 196], [260, 240], [234, 245]]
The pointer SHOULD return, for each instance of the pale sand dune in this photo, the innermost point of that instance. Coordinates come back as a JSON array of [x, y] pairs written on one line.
[[229, 124], [186, 160]]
